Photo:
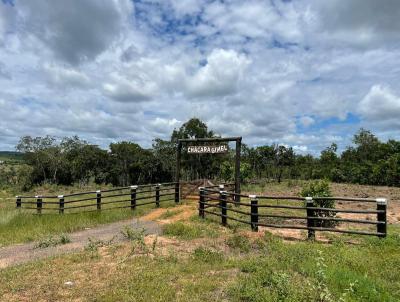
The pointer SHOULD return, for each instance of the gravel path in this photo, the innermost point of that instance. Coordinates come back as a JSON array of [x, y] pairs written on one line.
[[21, 253]]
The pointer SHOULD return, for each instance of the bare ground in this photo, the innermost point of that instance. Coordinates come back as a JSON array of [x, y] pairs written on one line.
[[22, 253], [153, 221]]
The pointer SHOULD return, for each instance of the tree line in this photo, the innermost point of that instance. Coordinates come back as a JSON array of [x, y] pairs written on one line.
[[71, 160]]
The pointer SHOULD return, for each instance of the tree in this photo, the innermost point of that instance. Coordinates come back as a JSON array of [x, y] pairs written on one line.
[[284, 158], [125, 167]]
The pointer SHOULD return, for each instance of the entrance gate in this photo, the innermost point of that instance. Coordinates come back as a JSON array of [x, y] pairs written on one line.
[[195, 149]]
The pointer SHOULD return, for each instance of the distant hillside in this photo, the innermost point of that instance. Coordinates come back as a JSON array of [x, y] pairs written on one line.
[[10, 156]]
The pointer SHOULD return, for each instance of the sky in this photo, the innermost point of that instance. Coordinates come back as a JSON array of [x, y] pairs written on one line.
[[303, 73]]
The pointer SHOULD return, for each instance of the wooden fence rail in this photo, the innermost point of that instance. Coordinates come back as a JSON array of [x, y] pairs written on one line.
[[116, 198], [256, 212]]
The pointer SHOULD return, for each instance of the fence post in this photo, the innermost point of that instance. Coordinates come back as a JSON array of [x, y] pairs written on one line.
[[201, 202], [177, 192], [158, 195], [18, 202], [222, 203], [61, 204], [254, 213], [381, 205], [310, 221], [39, 204], [133, 197], [98, 199]]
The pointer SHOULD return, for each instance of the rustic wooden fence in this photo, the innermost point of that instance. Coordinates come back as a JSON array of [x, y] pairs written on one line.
[[116, 198], [296, 212]]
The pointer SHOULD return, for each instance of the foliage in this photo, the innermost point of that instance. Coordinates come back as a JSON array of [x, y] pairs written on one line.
[[72, 160], [52, 241], [320, 189], [188, 231]]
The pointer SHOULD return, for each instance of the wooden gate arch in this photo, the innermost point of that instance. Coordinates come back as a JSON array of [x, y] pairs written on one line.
[[211, 150]]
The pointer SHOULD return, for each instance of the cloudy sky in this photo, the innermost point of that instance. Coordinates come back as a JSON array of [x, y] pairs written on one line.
[[302, 73]]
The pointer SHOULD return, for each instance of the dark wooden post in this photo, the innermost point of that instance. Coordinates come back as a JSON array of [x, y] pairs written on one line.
[[158, 195], [177, 192], [381, 205], [310, 221], [39, 204], [61, 204], [98, 199], [133, 197], [19, 202], [237, 169], [178, 171], [254, 213], [222, 202], [201, 202]]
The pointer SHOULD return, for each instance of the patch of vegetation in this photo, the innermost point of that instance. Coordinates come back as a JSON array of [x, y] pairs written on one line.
[[52, 241], [170, 213], [207, 255], [189, 231], [239, 242], [296, 271], [320, 188]]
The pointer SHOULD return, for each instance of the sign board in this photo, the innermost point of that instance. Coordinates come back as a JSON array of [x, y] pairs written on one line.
[[207, 149]]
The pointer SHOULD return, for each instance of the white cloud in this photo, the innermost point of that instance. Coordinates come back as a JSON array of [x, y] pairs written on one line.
[[307, 121], [76, 30], [361, 23], [220, 76], [381, 106], [7, 21], [110, 70], [132, 90], [65, 77]]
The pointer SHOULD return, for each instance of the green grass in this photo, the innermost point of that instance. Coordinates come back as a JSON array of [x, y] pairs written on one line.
[[18, 226], [11, 157], [270, 270], [188, 231]]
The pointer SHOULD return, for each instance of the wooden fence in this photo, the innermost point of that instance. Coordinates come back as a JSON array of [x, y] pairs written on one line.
[[116, 198], [270, 211]]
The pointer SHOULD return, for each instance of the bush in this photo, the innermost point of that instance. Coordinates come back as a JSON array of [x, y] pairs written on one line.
[[320, 188]]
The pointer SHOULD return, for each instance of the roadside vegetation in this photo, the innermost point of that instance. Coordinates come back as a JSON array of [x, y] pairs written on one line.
[[230, 264]]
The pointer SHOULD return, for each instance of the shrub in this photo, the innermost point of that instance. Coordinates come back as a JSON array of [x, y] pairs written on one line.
[[320, 188], [207, 255], [52, 241], [239, 242]]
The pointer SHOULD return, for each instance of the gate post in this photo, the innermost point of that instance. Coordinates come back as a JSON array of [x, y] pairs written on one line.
[[237, 170], [39, 204], [98, 199], [381, 205], [310, 221], [254, 213], [19, 202], [61, 204], [222, 197], [177, 192], [158, 195], [133, 197], [201, 202]]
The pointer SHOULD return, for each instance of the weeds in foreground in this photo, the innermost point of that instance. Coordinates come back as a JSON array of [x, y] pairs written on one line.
[[52, 241], [93, 246], [239, 242], [136, 237], [321, 287], [189, 231]]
